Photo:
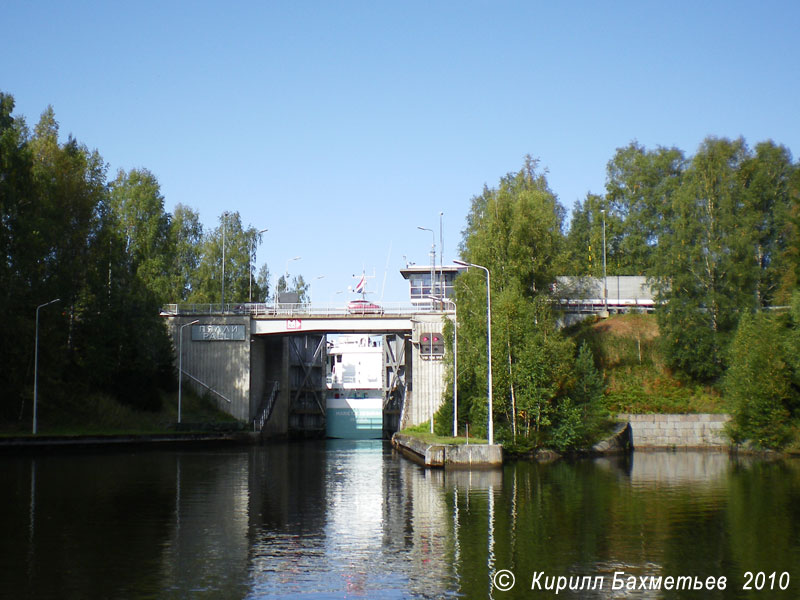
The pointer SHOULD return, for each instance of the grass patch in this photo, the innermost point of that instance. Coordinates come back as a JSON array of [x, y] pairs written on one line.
[[101, 414], [423, 432], [627, 351], [646, 390]]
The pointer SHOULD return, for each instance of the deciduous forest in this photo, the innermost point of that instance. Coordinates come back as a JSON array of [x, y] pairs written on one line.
[[717, 233]]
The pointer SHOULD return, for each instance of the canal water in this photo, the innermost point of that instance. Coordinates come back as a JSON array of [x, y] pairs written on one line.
[[352, 519]]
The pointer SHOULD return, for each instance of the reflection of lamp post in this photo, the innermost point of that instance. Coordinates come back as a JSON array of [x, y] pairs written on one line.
[[250, 264], [36, 366], [180, 365], [433, 258], [489, 336], [455, 362], [605, 278]]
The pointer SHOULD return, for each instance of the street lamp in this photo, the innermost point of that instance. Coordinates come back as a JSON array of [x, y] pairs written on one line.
[[287, 268], [455, 361], [441, 255], [224, 221], [286, 276], [605, 278], [311, 287], [250, 264], [36, 366], [180, 365], [433, 258], [489, 336]]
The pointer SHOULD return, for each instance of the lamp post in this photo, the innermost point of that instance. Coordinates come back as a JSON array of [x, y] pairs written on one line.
[[433, 258], [441, 255], [224, 217], [605, 278], [489, 337], [455, 362], [36, 367], [250, 265], [311, 288], [286, 277], [180, 365]]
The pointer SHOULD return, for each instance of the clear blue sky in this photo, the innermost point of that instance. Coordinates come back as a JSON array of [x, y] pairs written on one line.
[[342, 126]]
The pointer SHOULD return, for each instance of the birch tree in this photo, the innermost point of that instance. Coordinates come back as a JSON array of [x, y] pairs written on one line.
[[515, 231]]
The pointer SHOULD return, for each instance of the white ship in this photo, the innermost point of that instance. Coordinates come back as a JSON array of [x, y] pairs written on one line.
[[354, 407]]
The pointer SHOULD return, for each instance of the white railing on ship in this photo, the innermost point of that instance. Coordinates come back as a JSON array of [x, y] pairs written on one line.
[[266, 309]]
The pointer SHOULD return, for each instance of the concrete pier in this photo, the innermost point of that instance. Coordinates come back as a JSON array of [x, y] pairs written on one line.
[[468, 456]]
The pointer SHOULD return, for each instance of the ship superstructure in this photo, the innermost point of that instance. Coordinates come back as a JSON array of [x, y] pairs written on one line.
[[354, 406]]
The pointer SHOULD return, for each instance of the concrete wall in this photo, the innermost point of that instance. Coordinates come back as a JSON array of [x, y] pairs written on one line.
[[678, 431], [239, 371], [427, 377], [224, 366], [273, 357], [278, 355], [448, 455]]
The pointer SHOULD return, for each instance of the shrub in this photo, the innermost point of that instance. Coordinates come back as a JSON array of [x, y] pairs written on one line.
[[758, 383]]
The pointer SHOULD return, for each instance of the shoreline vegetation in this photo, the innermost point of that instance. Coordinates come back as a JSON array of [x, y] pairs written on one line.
[[103, 415], [90, 258]]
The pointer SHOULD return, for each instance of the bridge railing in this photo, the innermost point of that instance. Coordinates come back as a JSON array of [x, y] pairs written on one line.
[[594, 305], [271, 309]]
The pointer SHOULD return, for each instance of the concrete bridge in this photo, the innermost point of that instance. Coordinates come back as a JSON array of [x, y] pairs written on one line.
[[265, 364]]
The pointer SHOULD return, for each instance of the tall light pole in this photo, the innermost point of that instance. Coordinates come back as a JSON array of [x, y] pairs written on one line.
[[605, 278], [433, 258], [36, 368], [286, 276], [311, 287], [250, 264], [180, 365], [455, 361], [489, 338], [224, 215], [441, 256]]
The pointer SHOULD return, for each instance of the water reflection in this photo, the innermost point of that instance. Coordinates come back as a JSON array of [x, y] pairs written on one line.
[[346, 519], [376, 527], [207, 545]]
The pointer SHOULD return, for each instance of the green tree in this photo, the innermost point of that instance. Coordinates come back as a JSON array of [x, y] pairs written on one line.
[[581, 417], [516, 232], [297, 286], [583, 248], [122, 344], [61, 240], [238, 256], [704, 264], [138, 209], [790, 232], [768, 178], [262, 282], [186, 232], [758, 383], [21, 290], [640, 186]]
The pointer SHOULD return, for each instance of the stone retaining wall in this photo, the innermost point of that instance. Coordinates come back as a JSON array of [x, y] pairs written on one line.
[[678, 431]]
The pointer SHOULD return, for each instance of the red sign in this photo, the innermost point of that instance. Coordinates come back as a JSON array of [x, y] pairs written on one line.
[[294, 324]]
